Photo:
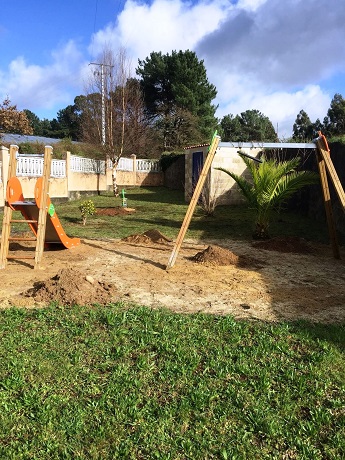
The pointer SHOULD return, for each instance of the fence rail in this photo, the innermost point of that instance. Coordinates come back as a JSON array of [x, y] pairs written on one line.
[[31, 166], [87, 165], [141, 165]]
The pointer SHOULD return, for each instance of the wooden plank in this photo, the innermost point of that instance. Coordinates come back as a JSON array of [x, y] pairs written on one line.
[[328, 206], [43, 210], [14, 238], [194, 200], [6, 223], [20, 257], [325, 154]]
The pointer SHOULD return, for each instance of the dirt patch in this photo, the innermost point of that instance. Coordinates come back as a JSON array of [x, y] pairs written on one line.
[[218, 256], [116, 211], [151, 236], [72, 287], [289, 244], [276, 286]]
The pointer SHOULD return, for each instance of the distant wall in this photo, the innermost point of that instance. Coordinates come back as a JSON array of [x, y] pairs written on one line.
[[218, 184], [79, 176]]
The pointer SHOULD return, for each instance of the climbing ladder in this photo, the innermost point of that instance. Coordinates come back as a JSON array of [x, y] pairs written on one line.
[[15, 197]]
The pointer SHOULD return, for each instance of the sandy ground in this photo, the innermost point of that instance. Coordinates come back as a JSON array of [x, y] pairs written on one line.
[[271, 285]]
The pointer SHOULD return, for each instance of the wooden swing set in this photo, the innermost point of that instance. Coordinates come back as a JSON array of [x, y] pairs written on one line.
[[326, 169]]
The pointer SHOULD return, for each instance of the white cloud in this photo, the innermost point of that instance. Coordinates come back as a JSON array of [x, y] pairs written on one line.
[[268, 55], [162, 26], [273, 56], [43, 87], [260, 54]]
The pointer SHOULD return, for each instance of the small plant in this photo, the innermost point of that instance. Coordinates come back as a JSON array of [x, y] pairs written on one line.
[[87, 208]]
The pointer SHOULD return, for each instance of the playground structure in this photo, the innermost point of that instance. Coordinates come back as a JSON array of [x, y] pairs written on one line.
[[326, 169], [39, 214]]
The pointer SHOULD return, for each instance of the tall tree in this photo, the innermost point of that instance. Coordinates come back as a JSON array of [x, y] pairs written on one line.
[[303, 128], [69, 120], [34, 121], [336, 115], [250, 125], [178, 97], [13, 120]]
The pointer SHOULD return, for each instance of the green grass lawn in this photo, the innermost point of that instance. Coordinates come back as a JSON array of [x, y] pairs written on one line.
[[164, 209], [118, 383], [133, 383]]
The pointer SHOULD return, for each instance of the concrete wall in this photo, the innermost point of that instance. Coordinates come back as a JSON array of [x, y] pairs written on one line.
[[76, 184], [219, 185]]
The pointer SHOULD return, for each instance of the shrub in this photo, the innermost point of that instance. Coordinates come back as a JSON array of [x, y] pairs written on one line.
[[87, 208]]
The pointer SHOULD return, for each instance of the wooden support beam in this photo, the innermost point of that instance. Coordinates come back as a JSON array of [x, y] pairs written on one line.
[[324, 151], [43, 206], [328, 206], [193, 202], [6, 223], [326, 165]]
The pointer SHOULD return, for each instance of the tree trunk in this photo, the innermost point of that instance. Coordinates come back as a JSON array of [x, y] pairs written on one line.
[[261, 231], [114, 174]]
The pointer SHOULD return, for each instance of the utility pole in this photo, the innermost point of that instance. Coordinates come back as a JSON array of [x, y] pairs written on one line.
[[101, 65]]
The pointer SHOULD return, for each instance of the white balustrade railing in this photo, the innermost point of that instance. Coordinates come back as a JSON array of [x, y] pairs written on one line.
[[58, 168], [148, 165], [87, 165], [32, 166], [127, 164]]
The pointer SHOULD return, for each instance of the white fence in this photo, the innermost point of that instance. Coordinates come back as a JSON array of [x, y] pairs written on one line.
[[127, 164], [32, 166], [87, 165]]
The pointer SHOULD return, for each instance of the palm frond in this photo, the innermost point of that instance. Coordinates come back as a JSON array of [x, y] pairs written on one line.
[[291, 183]]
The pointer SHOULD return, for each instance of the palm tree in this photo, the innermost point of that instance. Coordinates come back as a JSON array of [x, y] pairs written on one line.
[[272, 182]]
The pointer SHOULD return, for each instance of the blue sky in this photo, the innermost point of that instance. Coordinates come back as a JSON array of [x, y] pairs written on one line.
[[275, 56]]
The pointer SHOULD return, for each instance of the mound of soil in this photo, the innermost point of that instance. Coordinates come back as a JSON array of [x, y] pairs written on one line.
[[288, 244], [71, 287], [116, 211], [151, 236], [215, 255]]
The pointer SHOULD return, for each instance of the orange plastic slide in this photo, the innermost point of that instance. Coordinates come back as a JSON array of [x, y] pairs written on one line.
[[54, 234]]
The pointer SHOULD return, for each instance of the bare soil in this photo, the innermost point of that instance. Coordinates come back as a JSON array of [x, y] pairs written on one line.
[[295, 280]]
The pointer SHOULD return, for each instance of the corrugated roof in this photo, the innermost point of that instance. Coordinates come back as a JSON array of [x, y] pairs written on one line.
[[19, 139]]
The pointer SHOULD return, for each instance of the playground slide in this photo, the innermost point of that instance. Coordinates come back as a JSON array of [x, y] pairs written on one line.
[[54, 234]]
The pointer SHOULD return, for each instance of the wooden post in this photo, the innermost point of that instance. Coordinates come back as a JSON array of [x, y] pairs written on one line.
[[6, 224], [193, 202], [4, 160], [134, 159], [43, 206], [328, 207], [325, 165], [325, 154]]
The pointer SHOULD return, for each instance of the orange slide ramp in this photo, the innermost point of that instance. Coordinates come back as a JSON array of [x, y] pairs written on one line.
[[54, 233]]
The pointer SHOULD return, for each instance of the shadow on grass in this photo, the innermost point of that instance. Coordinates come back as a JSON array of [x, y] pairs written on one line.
[[156, 195], [331, 333]]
